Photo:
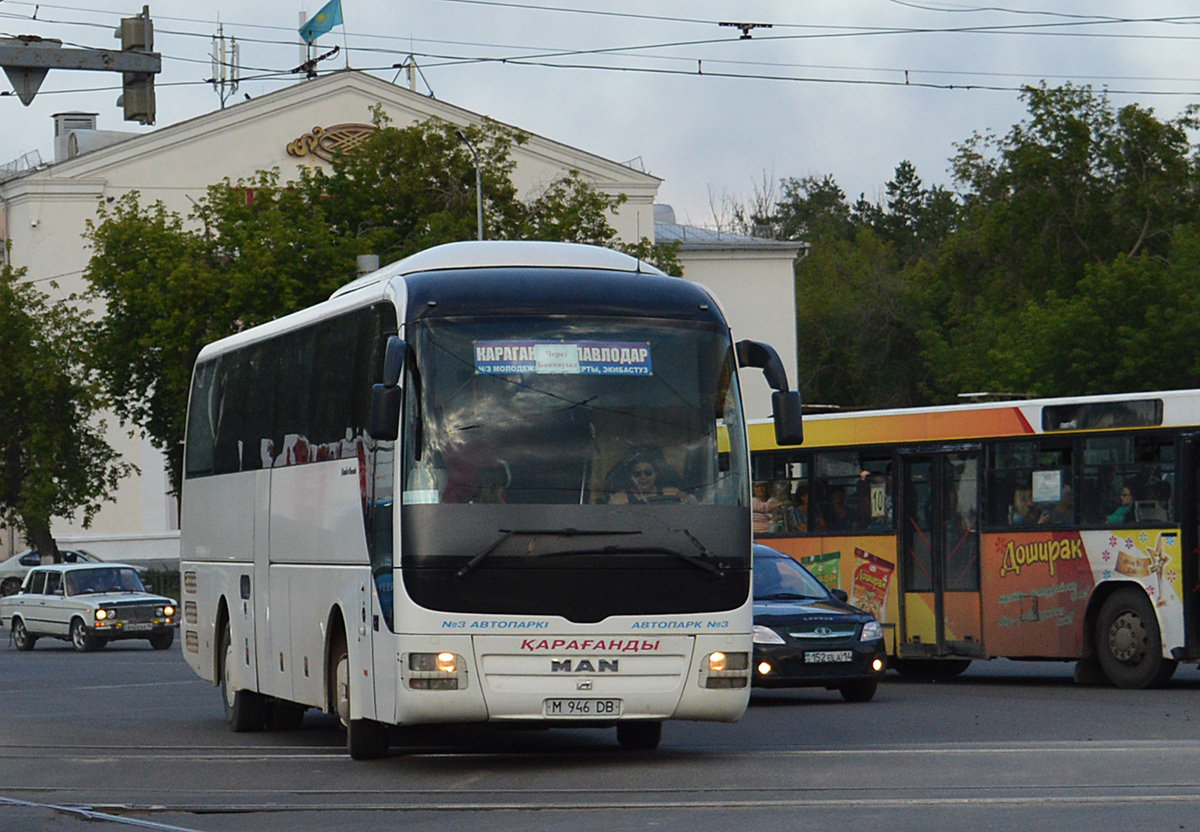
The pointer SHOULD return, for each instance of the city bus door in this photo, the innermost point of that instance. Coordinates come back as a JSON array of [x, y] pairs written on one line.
[[939, 561], [1188, 496]]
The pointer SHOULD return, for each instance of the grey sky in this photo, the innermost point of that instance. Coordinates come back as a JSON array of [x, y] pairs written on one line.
[[821, 91]]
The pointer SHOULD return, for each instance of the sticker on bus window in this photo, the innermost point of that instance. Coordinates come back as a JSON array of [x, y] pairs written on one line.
[[600, 358]]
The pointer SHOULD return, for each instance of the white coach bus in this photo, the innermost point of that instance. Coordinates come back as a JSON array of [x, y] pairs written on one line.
[[416, 502]]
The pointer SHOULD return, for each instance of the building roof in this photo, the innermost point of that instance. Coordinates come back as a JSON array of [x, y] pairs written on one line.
[[694, 238]]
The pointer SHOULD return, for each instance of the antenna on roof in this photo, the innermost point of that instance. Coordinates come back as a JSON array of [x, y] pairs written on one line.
[[226, 70]]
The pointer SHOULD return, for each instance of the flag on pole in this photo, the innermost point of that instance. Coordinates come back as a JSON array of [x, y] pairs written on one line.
[[324, 20]]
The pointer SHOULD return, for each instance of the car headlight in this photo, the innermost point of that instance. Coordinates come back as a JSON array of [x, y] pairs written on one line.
[[765, 635], [167, 610], [871, 631], [101, 615]]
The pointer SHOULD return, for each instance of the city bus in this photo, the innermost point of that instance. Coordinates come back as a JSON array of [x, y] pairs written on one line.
[[399, 505], [1056, 529]]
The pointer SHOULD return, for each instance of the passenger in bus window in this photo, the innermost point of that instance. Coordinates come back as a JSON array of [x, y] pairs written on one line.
[[837, 514], [796, 515], [763, 507], [1061, 512], [491, 485], [1123, 513], [1022, 512]]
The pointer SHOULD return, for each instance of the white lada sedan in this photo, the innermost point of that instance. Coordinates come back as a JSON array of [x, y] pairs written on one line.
[[89, 604]]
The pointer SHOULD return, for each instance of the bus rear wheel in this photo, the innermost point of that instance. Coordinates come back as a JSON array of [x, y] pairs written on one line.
[[366, 739], [639, 736], [930, 670], [1128, 641], [245, 710]]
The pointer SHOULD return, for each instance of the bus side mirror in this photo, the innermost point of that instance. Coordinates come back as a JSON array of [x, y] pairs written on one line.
[[785, 403], [386, 397]]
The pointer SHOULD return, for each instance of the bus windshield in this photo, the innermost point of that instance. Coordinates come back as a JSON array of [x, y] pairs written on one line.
[[551, 411]]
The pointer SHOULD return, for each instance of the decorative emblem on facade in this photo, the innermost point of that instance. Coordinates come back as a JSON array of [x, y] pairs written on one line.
[[323, 142]]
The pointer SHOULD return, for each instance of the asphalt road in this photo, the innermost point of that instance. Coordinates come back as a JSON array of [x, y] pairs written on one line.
[[128, 738]]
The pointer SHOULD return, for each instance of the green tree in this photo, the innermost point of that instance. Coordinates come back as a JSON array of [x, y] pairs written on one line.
[[254, 250], [55, 461], [1065, 192]]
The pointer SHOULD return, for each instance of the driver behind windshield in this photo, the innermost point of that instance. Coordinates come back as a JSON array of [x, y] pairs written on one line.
[[644, 486]]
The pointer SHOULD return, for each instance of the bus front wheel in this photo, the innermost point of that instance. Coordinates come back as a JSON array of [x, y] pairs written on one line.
[[245, 710], [1128, 641], [366, 739], [639, 736]]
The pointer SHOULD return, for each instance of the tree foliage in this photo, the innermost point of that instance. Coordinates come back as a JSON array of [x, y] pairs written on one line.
[[54, 460], [256, 249], [1063, 264]]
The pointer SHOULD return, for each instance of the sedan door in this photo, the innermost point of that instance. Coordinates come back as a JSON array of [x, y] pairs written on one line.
[[57, 608]]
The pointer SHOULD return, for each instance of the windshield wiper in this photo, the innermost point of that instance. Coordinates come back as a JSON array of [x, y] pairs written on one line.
[[635, 550], [505, 534]]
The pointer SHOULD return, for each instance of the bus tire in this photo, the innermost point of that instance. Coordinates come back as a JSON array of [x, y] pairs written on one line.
[[284, 716], [366, 739], [245, 710], [861, 691], [639, 736], [930, 670], [1128, 641]]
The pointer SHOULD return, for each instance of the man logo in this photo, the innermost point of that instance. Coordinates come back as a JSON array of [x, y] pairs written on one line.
[[583, 666]]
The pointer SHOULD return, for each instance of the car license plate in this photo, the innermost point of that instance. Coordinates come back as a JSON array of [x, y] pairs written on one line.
[[582, 707], [828, 656], [146, 626]]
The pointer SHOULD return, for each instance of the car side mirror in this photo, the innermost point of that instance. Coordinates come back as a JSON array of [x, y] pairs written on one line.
[[840, 594], [786, 410]]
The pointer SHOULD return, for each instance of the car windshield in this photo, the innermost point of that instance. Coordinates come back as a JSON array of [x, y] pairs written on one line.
[[110, 579], [784, 578]]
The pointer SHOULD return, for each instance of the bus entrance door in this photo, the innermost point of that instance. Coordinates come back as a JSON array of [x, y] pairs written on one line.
[[940, 555], [1189, 528]]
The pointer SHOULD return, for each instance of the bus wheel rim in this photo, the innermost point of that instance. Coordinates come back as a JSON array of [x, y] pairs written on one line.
[[1127, 638]]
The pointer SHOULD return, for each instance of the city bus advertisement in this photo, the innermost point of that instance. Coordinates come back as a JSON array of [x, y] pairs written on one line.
[[1036, 585], [872, 579]]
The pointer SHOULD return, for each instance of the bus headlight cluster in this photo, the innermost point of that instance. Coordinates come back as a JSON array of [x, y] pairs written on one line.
[[725, 670], [436, 671]]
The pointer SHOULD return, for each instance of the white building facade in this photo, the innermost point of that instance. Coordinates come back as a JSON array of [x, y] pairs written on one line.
[[44, 211]]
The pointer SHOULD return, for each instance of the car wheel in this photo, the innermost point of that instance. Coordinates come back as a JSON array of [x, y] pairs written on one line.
[[245, 710], [162, 641], [366, 739], [9, 586], [83, 642], [860, 691], [22, 638], [1128, 642], [639, 736]]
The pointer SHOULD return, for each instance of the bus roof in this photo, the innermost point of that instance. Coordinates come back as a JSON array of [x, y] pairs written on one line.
[[1168, 408], [477, 254]]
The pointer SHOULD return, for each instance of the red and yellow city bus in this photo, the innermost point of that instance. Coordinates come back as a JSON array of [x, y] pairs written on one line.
[[1057, 529]]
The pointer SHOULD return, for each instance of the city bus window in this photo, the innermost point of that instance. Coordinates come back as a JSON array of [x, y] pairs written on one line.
[[1127, 480], [1030, 483], [781, 493], [853, 491]]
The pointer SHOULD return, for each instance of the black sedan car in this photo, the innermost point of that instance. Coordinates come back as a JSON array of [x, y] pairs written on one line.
[[808, 636]]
